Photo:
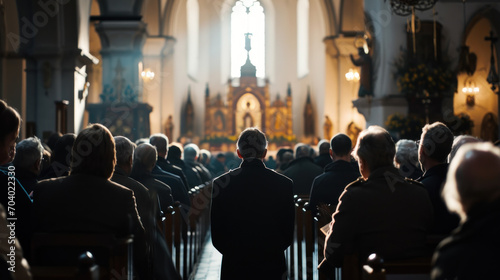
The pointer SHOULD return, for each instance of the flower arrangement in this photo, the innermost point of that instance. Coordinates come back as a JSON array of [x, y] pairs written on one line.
[[402, 127], [417, 78]]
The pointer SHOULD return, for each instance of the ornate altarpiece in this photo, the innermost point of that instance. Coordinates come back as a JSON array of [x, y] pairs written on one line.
[[248, 105]]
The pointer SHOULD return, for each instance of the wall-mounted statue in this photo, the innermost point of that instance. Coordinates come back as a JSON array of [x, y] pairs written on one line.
[[365, 78]]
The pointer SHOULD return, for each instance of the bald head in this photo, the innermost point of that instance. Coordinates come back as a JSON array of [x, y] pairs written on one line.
[[473, 177], [145, 156]]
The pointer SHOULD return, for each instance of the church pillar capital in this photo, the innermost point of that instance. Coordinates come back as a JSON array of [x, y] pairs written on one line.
[[122, 43]]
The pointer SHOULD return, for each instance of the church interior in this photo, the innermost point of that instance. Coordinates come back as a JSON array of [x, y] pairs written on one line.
[[200, 71]]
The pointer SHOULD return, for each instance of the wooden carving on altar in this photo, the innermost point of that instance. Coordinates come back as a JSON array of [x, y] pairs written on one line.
[[248, 105]]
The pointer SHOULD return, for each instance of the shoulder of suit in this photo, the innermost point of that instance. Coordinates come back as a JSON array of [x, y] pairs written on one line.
[[357, 183]]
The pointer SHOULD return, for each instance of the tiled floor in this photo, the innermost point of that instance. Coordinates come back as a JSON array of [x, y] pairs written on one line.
[[208, 268]]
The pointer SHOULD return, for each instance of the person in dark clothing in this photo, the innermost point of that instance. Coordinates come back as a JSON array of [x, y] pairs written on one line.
[[10, 122], [435, 145], [144, 162], [61, 157], [382, 212], [148, 208], [160, 141], [217, 165], [328, 187], [191, 154], [406, 159], [87, 201], [27, 167], [174, 156], [302, 170], [324, 154], [472, 190], [252, 239]]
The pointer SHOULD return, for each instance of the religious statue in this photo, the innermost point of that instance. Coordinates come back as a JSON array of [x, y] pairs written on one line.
[[308, 117], [327, 128], [189, 116], [365, 77], [489, 128], [169, 128], [353, 132]]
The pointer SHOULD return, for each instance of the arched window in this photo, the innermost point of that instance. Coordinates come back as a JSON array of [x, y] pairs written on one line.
[[247, 17], [193, 15], [302, 38]]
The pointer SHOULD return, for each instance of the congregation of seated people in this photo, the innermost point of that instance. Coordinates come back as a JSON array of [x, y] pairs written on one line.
[[435, 196]]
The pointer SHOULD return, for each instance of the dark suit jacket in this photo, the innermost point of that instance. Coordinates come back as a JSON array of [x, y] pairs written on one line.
[[433, 181], [84, 203], [471, 252], [328, 187], [179, 191], [302, 171], [386, 214], [252, 219], [154, 186], [165, 165]]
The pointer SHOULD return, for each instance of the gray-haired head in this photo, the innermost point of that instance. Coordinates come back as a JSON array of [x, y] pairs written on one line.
[[191, 152], [124, 151], [458, 142], [145, 157], [323, 147], [29, 153], [375, 147], [302, 150], [472, 178], [406, 153], [252, 143], [160, 141]]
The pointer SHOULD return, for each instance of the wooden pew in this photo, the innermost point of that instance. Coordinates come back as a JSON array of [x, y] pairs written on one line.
[[185, 235], [55, 255]]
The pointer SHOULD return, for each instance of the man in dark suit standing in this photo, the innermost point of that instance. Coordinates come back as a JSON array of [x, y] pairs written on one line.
[[252, 238]]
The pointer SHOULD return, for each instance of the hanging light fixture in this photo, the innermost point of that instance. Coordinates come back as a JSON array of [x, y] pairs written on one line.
[[492, 78]]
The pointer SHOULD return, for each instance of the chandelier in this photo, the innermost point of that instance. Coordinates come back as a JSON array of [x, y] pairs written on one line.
[[405, 7]]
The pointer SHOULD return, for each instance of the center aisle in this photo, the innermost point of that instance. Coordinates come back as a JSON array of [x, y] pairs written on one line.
[[208, 268]]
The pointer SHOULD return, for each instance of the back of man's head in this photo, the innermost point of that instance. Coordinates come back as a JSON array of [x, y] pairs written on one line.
[[124, 151], [174, 151], [145, 157], [341, 145], [93, 152], [160, 141], [473, 177], [252, 143], [406, 153], [62, 149], [302, 150], [191, 152], [436, 141], [29, 153], [375, 147], [324, 147]]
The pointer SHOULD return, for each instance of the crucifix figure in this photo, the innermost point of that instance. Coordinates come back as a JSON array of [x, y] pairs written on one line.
[[492, 78]]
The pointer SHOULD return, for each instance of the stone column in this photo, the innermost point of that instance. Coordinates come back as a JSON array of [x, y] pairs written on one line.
[[121, 52]]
